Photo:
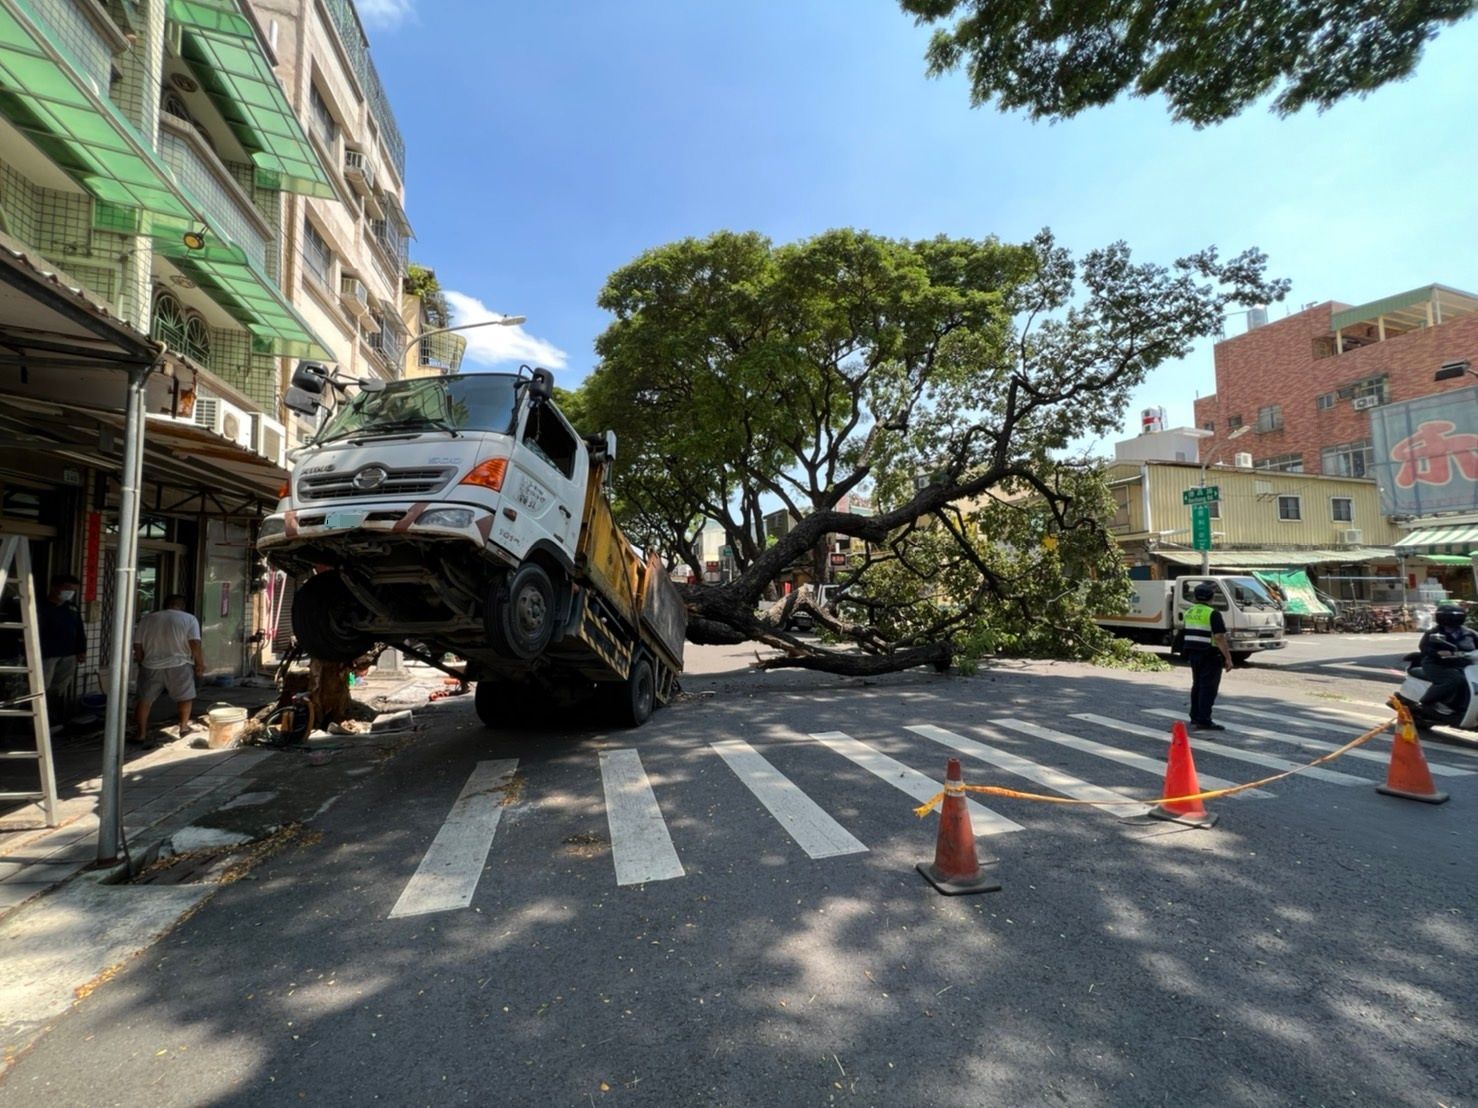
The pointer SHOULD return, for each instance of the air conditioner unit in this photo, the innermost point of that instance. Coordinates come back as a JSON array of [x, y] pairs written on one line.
[[224, 419], [359, 171], [355, 298], [1360, 403], [1351, 536], [1242, 460], [269, 439]]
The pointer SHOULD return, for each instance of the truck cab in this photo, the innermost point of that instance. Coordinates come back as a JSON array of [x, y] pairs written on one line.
[[453, 514], [1253, 618]]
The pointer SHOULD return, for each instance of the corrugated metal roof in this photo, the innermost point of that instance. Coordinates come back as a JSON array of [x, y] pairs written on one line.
[[1275, 559]]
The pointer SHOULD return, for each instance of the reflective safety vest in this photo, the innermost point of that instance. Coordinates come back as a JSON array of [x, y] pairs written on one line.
[[1198, 627]]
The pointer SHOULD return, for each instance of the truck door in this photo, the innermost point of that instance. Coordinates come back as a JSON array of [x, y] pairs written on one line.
[[547, 482]]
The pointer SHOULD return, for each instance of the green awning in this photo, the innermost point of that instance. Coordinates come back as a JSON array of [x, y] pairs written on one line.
[[1458, 539], [1299, 597], [1446, 559], [223, 50], [43, 92], [233, 280]]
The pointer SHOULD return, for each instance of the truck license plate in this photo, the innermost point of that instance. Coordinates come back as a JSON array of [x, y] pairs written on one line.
[[342, 521]]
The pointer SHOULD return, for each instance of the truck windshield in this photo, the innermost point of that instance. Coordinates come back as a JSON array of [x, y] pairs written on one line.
[[475, 402], [1248, 592]]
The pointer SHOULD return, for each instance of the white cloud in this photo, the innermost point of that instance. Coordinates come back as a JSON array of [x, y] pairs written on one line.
[[490, 346], [385, 15]]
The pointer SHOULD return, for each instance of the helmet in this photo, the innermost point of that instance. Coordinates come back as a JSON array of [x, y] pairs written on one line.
[[1451, 615], [1205, 591]]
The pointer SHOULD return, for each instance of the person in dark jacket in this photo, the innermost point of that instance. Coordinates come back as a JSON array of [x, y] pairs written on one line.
[[1445, 650], [63, 637]]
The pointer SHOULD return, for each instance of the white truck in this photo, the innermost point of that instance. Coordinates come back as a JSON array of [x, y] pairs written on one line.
[[464, 515], [1156, 613]]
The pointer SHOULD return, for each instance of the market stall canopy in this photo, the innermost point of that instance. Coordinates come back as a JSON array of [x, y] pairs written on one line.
[[1300, 598], [1455, 539]]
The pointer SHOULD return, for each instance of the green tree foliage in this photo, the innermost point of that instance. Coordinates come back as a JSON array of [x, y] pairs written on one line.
[[741, 376], [1053, 59]]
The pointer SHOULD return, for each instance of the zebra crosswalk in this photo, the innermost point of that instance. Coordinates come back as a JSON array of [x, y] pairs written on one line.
[[1018, 753]]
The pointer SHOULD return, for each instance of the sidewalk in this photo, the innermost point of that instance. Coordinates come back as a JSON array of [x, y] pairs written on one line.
[[167, 789]]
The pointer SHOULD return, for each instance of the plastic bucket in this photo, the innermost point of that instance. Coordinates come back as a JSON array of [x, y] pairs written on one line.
[[226, 725]]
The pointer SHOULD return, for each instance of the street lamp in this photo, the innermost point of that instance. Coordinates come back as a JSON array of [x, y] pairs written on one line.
[[501, 321], [1237, 434]]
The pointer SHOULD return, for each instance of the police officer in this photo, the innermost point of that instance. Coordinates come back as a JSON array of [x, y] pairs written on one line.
[[1444, 654], [1208, 653]]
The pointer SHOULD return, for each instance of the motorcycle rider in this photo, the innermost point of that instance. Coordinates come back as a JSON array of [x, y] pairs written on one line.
[[1445, 651]]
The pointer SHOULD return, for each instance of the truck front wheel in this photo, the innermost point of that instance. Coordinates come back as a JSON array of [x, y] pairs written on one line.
[[501, 704], [321, 610], [520, 616]]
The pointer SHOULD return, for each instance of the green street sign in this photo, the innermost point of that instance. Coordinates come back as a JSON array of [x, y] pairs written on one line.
[[1201, 494], [726, 552], [1201, 526]]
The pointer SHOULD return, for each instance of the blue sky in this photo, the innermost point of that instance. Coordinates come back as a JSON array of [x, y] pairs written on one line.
[[551, 143]]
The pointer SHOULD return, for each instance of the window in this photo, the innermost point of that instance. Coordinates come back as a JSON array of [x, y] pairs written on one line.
[[545, 434], [1373, 386], [1349, 459], [1342, 509], [1270, 419], [1233, 422], [321, 120], [1281, 463], [168, 325], [1188, 594], [1288, 508], [197, 339], [1209, 425], [317, 255], [1120, 521], [1215, 509], [1325, 402]]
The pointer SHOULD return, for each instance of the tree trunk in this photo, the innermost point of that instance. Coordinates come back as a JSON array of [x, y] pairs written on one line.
[[328, 690]]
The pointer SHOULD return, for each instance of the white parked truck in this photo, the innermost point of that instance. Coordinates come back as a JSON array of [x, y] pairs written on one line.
[[1157, 613], [464, 515]]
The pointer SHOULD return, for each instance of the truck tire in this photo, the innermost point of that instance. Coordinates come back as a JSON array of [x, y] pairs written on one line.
[[521, 615], [1241, 657], [633, 699], [321, 610]]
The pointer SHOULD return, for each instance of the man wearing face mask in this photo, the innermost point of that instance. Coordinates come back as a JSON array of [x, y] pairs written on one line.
[[63, 638]]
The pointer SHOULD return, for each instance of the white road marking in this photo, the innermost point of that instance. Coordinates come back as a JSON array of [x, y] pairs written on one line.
[[1055, 779], [1344, 729], [1153, 766], [448, 874], [640, 845], [1384, 671], [804, 820], [982, 820], [1313, 744], [1200, 743]]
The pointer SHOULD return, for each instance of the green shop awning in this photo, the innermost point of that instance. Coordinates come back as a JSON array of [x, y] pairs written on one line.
[[1300, 598], [234, 281], [1459, 539], [1277, 559], [222, 48], [1446, 559], [44, 94]]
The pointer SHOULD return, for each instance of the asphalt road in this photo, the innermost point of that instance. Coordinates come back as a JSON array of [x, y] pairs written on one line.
[[1314, 947]]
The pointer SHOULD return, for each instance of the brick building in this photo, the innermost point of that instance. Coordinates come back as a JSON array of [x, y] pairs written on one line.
[[1305, 384]]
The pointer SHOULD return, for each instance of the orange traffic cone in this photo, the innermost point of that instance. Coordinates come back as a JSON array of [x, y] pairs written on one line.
[[1180, 780], [955, 869], [1408, 776]]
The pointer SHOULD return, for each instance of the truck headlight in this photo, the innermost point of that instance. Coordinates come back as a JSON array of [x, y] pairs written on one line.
[[445, 517], [271, 528]]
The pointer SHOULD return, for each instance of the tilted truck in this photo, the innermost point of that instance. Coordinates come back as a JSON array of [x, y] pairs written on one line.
[[464, 515], [1157, 609]]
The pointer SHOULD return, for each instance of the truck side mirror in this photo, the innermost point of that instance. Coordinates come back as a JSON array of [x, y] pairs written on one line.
[[310, 377], [301, 401], [541, 386], [610, 446]]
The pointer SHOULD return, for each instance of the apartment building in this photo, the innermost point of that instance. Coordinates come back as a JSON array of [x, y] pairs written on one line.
[[424, 311], [1305, 386]]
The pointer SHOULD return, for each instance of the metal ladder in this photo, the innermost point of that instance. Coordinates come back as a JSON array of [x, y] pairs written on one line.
[[15, 565]]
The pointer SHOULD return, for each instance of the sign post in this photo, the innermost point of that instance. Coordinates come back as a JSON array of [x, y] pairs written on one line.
[[1201, 533], [1201, 494]]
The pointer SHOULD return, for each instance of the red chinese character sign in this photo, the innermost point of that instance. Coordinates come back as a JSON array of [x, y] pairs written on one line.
[[1426, 454]]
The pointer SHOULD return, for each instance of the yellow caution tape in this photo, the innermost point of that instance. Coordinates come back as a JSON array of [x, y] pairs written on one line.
[[954, 788]]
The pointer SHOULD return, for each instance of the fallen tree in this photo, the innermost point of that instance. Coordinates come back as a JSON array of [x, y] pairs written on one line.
[[946, 378]]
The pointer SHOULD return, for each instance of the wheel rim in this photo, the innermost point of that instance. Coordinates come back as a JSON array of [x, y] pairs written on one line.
[[530, 612], [644, 692]]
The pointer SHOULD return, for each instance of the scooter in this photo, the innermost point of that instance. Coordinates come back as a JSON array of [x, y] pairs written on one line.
[[1464, 717]]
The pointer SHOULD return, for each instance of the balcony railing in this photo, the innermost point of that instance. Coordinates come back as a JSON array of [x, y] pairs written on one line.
[[351, 35]]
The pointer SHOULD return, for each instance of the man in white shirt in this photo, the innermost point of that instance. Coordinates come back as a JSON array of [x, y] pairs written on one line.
[[167, 647]]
